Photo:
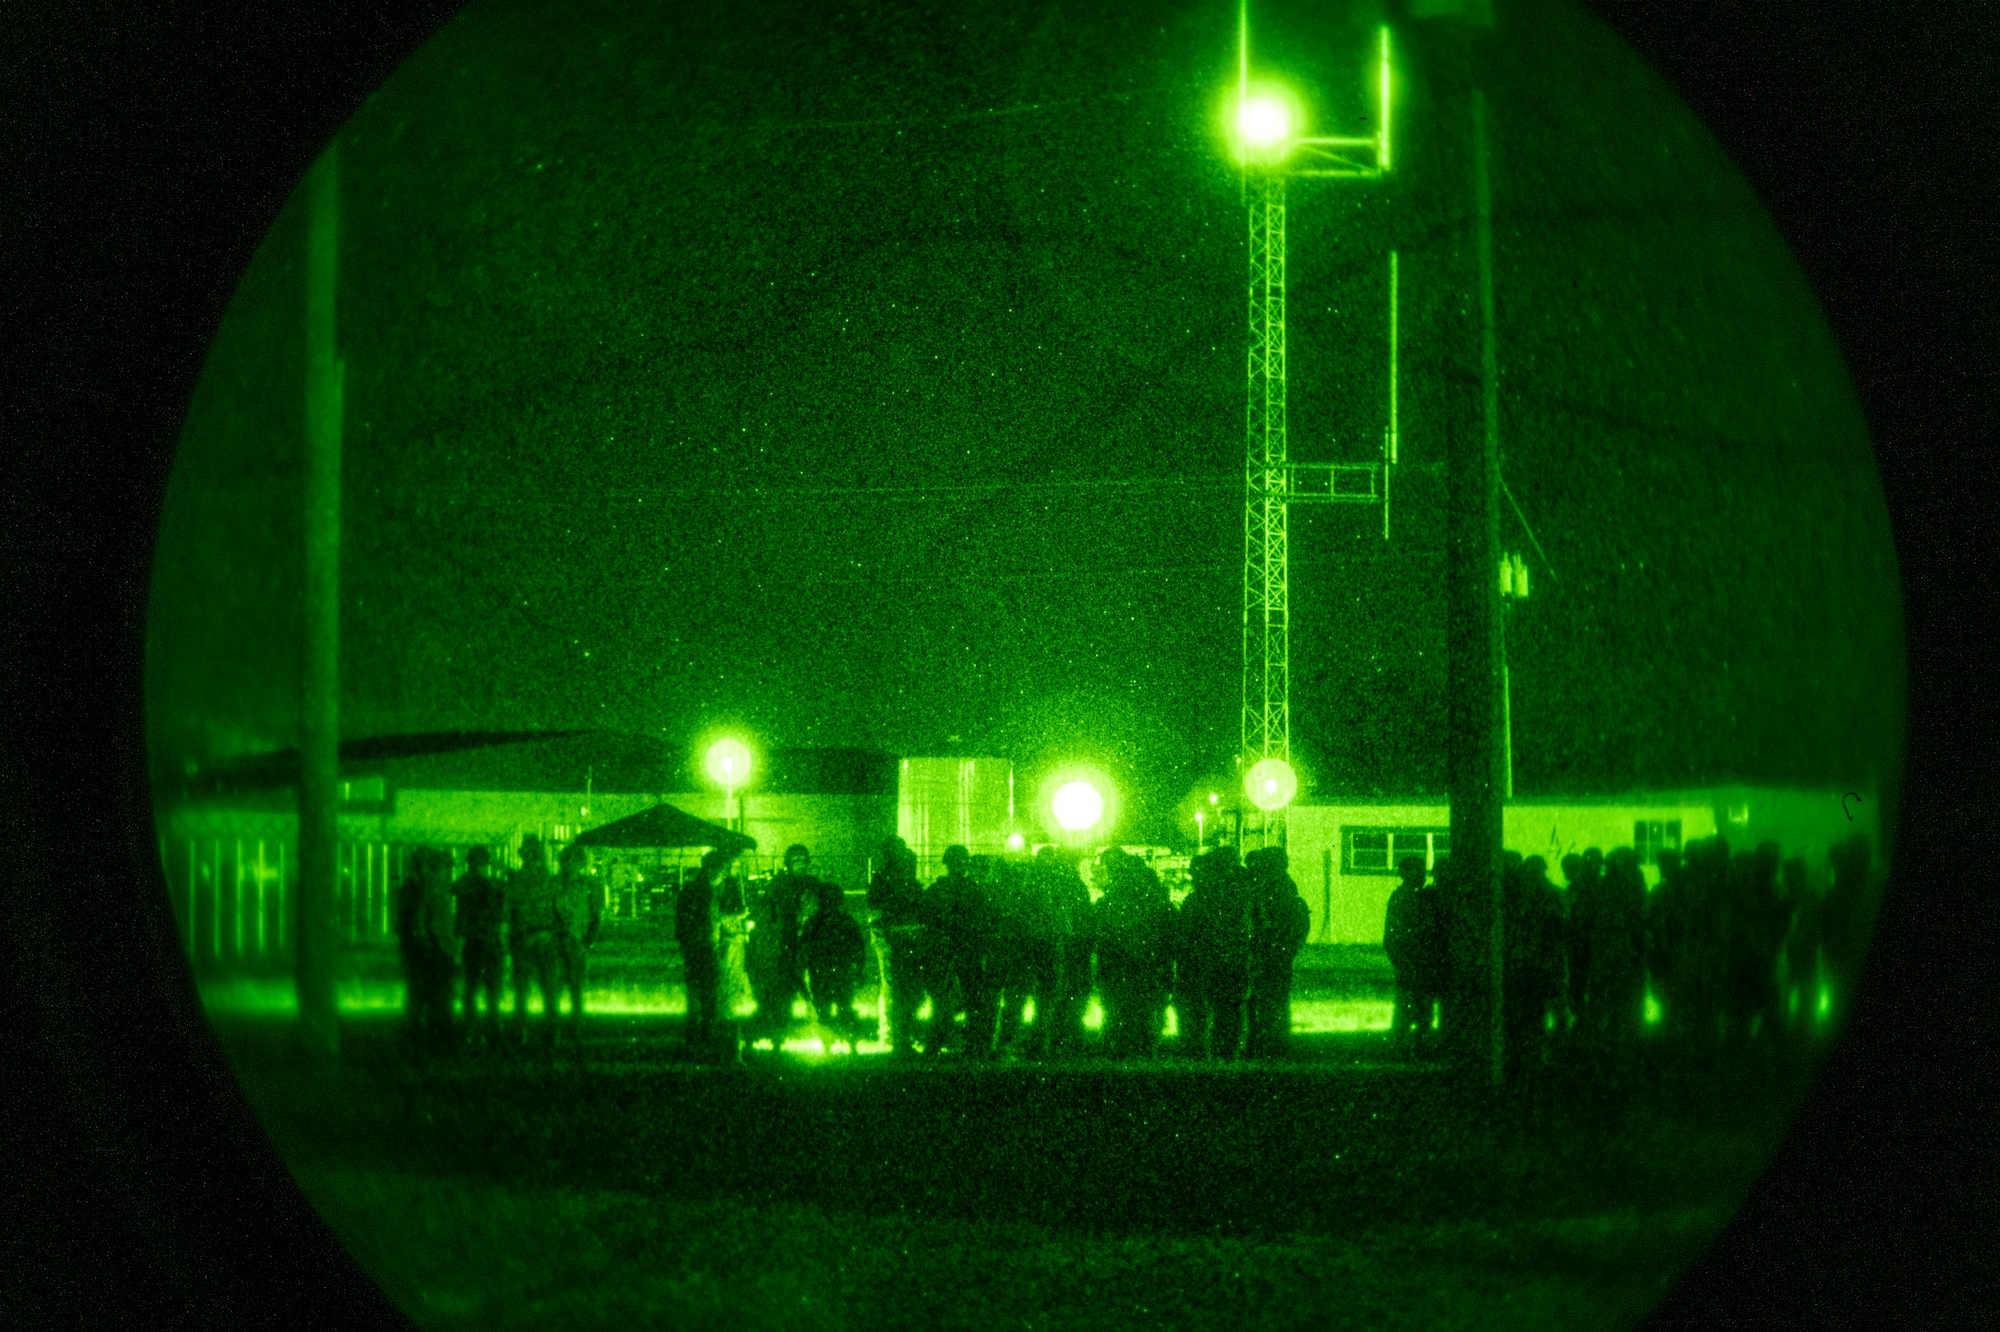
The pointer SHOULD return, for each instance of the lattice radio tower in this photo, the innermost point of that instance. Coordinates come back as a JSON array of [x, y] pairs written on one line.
[[1271, 154]]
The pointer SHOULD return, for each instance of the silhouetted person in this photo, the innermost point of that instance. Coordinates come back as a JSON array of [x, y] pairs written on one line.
[[1583, 875], [531, 930], [1069, 901], [695, 922], [1758, 923], [480, 920], [1801, 998], [833, 953], [1215, 938], [1666, 942], [1024, 948], [958, 912], [1617, 990], [771, 953], [1533, 951], [1413, 934], [897, 900], [1280, 920], [1704, 964], [428, 946], [1846, 916], [1134, 935], [579, 911]]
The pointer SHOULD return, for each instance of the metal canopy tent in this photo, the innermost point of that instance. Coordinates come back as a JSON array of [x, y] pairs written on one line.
[[663, 825]]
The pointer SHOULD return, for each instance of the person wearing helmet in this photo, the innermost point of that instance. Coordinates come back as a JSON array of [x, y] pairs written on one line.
[[900, 916], [429, 948], [1280, 920], [481, 910], [531, 929], [772, 951], [958, 908], [579, 911], [833, 953], [695, 927]]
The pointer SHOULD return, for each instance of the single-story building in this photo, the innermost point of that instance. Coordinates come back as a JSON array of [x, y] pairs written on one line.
[[230, 857], [1344, 853]]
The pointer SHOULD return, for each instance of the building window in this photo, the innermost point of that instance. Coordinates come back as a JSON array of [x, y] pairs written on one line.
[[1378, 850], [364, 790], [1650, 837]]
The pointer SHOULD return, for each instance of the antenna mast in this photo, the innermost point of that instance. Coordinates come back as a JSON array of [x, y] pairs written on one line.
[[1270, 155]]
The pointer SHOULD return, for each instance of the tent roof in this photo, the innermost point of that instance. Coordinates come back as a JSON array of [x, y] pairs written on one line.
[[663, 825]]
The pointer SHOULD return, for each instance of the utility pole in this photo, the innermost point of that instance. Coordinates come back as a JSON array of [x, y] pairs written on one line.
[[319, 676], [1456, 155], [1478, 661]]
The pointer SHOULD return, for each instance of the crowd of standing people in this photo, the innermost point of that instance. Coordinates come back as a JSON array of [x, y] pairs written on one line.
[[1725, 949], [467, 930], [999, 957]]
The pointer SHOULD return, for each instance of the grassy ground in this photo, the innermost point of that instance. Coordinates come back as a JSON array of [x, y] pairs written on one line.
[[614, 1185]]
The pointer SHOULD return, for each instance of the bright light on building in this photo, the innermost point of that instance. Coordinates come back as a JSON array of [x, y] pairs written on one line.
[[729, 762], [1077, 806], [1015, 841]]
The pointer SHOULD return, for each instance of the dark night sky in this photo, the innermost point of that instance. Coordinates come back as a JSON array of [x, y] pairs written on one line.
[[875, 376]]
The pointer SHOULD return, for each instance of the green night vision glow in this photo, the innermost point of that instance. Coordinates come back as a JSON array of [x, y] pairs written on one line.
[[876, 446]]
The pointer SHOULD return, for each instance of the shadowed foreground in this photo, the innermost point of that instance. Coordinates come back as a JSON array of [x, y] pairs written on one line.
[[614, 1183]]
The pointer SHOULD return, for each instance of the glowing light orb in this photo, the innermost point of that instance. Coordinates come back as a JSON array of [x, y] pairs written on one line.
[[1077, 806], [1263, 121], [1015, 841], [1270, 784], [729, 762]]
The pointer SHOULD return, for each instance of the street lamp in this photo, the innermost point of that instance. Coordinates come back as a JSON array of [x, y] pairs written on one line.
[[1077, 806], [729, 766]]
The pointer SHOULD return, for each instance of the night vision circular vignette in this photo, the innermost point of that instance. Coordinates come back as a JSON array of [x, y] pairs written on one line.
[[1182, 665]]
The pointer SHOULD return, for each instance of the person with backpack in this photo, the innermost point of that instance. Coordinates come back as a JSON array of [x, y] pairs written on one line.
[[1411, 937], [429, 947], [1134, 932], [901, 917], [579, 909], [695, 932], [479, 919], [959, 913], [532, 922], [1215, 955], [833, 952], [771, 953], [1280, 920]]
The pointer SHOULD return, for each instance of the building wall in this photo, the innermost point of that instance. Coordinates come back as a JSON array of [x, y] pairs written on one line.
[[230, 870], [942, 801]]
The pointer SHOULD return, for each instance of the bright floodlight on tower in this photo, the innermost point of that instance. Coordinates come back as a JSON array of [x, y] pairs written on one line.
[[1270, 784], [1264, 122], [1077, 806], [1264, 125]]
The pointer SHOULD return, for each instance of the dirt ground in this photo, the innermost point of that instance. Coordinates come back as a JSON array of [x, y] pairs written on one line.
[[615, 1183]]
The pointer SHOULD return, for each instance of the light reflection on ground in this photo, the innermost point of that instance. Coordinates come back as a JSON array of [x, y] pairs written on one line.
[[1311, 1014]]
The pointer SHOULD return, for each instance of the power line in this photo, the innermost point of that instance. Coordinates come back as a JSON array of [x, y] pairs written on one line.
[[1529, 530]]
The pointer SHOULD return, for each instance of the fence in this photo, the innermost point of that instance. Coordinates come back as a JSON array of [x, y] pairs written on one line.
[[232, 897]]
